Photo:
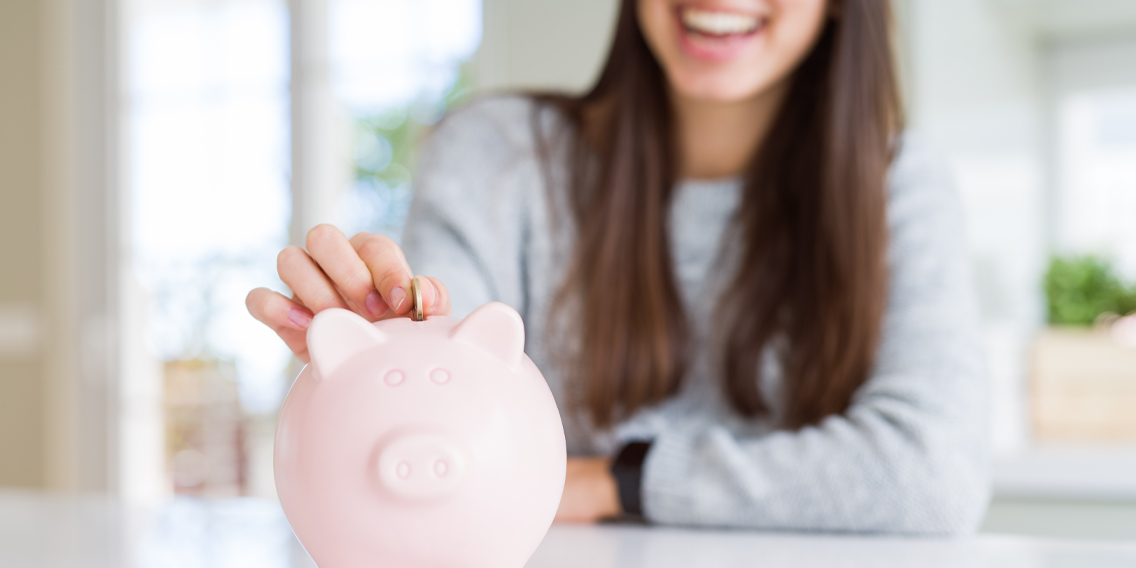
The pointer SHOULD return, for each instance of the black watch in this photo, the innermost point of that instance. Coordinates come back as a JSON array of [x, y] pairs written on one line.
[[627, 469]]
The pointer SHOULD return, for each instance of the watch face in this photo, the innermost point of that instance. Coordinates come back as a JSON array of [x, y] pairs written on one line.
[[632, 455]]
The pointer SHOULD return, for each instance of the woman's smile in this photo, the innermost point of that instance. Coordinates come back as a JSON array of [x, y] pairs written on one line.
[[717, 33], [729, 50]]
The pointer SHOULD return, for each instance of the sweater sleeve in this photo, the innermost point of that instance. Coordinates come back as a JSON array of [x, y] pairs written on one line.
[[464, 227], [908, 456]]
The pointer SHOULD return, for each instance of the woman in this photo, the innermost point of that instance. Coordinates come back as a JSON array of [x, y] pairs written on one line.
[[741, 284]]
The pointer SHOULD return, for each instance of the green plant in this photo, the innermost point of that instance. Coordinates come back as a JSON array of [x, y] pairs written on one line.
[[1078, 289], [386, 145]]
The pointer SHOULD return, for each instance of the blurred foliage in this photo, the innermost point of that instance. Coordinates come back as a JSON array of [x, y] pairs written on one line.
[[402, 128], [386, 145], [1078, 289]]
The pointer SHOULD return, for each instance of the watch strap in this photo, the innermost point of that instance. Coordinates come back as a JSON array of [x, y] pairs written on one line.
[[627, 469]]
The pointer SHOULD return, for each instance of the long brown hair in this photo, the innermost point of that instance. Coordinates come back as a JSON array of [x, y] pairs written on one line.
[[811, 275]]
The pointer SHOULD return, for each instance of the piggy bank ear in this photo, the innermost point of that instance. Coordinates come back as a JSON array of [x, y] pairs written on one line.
[[496, 328], [335, 335]]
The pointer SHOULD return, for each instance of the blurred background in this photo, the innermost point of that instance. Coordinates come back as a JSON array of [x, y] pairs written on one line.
[[156, 154]]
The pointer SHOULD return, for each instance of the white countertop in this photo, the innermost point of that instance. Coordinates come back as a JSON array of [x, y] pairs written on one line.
[[42, 531], [1069, 472]]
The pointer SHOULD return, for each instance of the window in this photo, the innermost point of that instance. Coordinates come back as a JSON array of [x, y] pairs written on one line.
[[1083, 380], [212, 142], [396, 66], [1096, 187]]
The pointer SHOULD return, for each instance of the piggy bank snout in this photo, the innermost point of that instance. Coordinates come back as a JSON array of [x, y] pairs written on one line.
[[421, 466]]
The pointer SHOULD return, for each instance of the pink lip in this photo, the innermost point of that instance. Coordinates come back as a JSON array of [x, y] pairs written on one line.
[[713, 49]]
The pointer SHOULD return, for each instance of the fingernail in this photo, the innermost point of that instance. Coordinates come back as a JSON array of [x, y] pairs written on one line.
[[437, 294], [398, 296], [375, 305], [301, 318]]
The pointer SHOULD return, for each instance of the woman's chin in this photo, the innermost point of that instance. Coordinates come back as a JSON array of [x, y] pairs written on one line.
[[715, 87]]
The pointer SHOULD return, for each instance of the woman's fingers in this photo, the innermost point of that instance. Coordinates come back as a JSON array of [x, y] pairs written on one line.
[[389, 270], [297, 342], [276, 311], [367, 273], [435, 299], [307, 280], [341, 263], [287, 318]]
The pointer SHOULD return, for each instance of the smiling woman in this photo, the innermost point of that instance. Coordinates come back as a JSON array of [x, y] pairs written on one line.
[[743, 285]]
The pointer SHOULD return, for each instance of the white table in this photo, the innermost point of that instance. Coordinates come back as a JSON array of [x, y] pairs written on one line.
[[41, 531]]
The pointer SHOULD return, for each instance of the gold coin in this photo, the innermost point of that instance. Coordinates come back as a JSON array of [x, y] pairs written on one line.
[[417, 312]]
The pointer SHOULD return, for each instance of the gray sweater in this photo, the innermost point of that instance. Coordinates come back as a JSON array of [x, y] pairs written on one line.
[[908, 456]]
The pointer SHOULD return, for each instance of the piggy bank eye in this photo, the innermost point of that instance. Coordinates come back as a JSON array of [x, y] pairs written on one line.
[[440, 376], [394, 377]]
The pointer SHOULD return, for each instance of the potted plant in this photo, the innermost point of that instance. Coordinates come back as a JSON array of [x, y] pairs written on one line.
[[1083, 372]]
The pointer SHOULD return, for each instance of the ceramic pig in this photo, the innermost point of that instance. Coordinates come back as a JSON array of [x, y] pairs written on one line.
[[420, 444]]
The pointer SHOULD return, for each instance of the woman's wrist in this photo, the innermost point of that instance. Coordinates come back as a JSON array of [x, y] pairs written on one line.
[[590, 491], [606, 491]]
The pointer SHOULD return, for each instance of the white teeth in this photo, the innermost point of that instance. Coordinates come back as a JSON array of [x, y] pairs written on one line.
[[718, 23]]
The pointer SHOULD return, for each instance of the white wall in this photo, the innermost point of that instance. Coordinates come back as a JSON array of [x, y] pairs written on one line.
[[58, 218], [543, 44], [976, 97]]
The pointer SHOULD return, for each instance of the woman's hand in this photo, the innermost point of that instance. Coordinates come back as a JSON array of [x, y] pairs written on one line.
[[367, 274], [590, 492]]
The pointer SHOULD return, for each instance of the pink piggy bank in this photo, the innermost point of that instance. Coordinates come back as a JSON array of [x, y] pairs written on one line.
[[420, 444]]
